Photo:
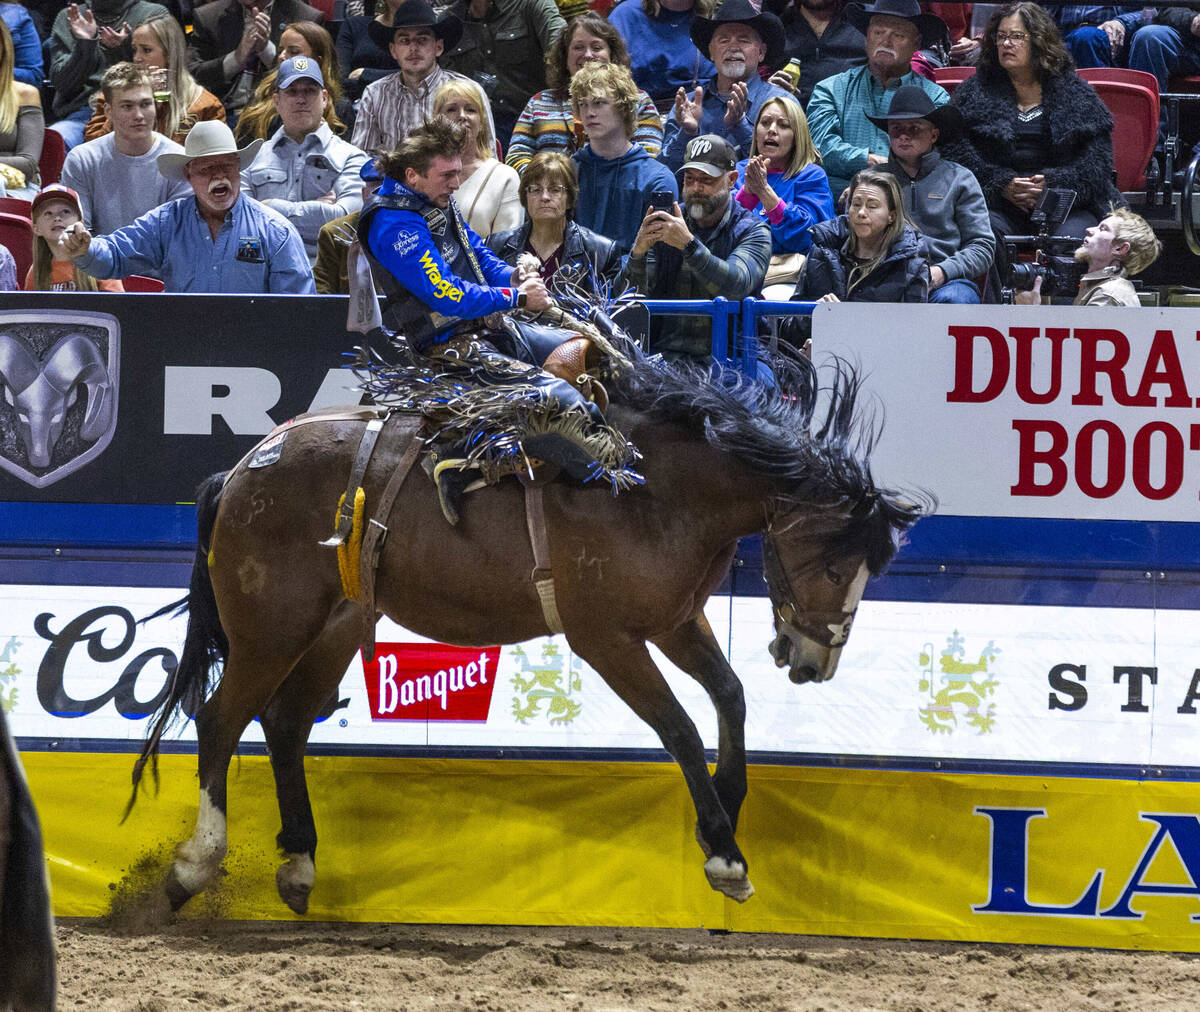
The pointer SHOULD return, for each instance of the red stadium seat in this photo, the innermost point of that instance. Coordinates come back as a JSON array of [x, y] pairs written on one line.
[[54, 153], [141, 283], [1132, 98], [15, 205], [951, 77], [17, 234]]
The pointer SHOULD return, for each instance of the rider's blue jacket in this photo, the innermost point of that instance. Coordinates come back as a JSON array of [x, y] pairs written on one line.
[[424, 253]]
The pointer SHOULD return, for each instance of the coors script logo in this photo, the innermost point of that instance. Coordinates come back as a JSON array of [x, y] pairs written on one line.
[[59, 372], [431, 681]]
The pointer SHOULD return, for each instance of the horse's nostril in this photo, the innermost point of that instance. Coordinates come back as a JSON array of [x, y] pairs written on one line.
[[803, 673]]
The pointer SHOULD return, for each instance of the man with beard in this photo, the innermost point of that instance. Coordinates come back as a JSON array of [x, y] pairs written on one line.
[[714, 247], [1116, 249], [737, 38], [840, 108], [84, 43], [216, 241], [819, 35]]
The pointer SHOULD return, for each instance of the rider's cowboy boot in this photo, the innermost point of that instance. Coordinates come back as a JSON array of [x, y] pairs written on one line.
[[452, 479]]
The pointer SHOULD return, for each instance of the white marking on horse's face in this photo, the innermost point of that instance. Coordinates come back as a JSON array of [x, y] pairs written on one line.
[[198, 860], [841, 630]]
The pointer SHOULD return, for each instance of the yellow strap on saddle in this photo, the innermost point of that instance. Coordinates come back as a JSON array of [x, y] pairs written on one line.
[[349, 552]]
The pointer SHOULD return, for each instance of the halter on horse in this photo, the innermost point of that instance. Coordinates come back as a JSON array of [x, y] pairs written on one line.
[[723, 458]]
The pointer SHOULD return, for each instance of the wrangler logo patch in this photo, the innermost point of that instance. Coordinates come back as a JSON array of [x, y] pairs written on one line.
[[443, 289]]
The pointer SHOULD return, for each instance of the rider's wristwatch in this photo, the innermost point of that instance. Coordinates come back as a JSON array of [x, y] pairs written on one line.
[[522, 298]]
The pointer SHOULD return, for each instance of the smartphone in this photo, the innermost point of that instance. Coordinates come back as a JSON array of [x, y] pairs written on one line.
[[662, 200]]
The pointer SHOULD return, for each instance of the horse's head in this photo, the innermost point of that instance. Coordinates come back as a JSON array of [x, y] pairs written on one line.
[[817, 562]]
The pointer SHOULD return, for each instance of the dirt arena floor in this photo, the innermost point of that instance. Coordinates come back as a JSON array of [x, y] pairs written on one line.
[[276, 966]]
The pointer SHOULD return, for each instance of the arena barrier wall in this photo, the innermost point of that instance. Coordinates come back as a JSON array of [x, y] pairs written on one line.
[[1007, 752]]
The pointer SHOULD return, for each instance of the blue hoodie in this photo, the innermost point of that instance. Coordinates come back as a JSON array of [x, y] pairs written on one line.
[[615, 192]]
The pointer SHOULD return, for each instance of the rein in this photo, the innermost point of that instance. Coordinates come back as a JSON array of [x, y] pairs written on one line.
[[829, 628]]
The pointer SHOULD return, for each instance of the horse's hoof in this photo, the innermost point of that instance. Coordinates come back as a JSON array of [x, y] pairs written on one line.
[[294, 880], [177, 895], [728, 877]]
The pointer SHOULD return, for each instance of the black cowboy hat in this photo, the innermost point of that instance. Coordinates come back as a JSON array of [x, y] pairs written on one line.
[[911, 102], [417, 14], [931, 27], [768, 26]]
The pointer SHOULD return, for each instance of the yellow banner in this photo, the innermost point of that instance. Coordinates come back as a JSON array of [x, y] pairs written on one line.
[[844, 852]]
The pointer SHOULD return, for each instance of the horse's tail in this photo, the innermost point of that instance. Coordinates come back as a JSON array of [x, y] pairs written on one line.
[[205, 647]]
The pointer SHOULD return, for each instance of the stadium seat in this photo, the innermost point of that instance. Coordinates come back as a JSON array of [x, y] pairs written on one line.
[[951, 77], [1132, 98], [54, 153], [17, 234], [141, 283], [15, 205]]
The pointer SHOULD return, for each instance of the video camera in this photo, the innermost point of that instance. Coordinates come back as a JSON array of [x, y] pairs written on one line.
[[1053, 255]]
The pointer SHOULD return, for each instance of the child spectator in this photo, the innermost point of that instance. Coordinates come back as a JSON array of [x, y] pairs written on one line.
[[55, 209]]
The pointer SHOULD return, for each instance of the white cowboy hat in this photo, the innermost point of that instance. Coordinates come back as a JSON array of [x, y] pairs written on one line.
[[208, 137]]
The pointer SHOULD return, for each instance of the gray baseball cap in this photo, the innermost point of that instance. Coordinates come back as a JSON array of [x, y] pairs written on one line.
[[709, 153]]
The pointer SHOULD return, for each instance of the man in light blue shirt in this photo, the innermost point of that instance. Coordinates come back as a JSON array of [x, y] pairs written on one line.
[[216, 241], [303, 171], [737, 38], [839, 108]]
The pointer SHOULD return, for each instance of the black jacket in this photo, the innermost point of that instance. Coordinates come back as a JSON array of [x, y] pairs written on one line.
[[839, 48], [902, 276], [1081, 154], [583, 251]]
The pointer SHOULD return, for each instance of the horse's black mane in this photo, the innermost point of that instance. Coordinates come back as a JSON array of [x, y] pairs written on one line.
[[809, 441]]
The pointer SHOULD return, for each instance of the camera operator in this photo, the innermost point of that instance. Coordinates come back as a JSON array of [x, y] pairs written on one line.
[[1119, 247]]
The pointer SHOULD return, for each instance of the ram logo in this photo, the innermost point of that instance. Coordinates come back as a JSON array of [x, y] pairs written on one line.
[[59, 373]]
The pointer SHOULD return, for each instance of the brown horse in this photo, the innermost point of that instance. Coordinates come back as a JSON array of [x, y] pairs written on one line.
[[723, 458]]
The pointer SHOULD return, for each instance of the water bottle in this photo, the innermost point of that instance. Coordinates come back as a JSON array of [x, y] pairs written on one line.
[[792, 72]]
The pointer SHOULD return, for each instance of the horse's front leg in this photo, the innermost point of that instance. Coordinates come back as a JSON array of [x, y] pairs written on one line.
[[633, 675], [693, 648]]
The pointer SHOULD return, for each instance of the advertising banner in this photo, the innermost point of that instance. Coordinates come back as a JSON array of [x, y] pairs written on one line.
[[1006, 411], [918, 680]]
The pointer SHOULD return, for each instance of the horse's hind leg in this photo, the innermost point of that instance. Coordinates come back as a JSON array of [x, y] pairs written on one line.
[[632, 674], [252, 674], [693, 648], [287, 722]]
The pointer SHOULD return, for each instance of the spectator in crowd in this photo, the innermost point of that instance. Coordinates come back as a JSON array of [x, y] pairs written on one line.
[[160, 49], [334, 240], [394, 105], [364, 59], [818, 34], [487, 195], [941, 198], [839, 108], [564, 248], [784, 183], [55, 209], [304, 38], [657, 34], [503, 47], [713, 247], [547, 123], [21, 127], [304, 172], [1169, 46], [215, 241], [616, 176], [27, 44], [1096, 36], [84, 43], [738, 39], [8, 271], [116, 176], [869, 254], [233, 44], [1033, 123], [1116, 249]]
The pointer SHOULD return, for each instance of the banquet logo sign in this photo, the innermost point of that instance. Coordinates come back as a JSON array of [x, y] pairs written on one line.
[[957, 692], [1096, 369], [431, 681]]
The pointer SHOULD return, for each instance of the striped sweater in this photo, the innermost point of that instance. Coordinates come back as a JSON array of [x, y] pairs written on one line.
[[547, 124]]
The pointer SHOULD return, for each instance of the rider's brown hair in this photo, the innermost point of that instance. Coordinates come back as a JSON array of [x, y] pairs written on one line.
[[435, 138]]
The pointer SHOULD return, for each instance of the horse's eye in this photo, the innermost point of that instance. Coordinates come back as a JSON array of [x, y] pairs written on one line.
[[833, 576]]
